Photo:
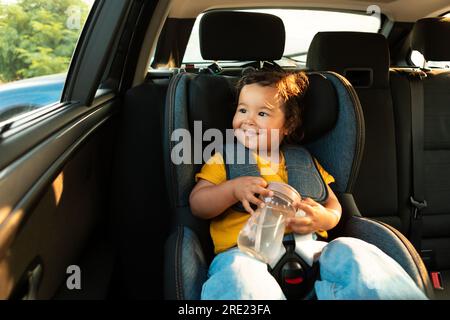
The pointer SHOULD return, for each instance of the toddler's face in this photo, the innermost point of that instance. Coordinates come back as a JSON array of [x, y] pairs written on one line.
[[259, 118]]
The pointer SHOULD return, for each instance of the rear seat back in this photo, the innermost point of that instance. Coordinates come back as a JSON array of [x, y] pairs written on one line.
[[363, 58], [428, 38]]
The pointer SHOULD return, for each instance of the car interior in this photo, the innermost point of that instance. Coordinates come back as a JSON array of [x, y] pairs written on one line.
[[90, 182]]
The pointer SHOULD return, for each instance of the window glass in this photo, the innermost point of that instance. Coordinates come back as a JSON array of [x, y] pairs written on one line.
[[37, 39], [417, 58], [300, 27]]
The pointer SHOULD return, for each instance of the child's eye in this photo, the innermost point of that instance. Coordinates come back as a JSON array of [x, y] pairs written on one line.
[[263, 114], [242, 110]]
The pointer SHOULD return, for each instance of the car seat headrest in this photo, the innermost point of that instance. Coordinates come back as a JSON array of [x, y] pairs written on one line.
[[321, 108], [241, 36], [362, 57], [430, 37], [212, 100]]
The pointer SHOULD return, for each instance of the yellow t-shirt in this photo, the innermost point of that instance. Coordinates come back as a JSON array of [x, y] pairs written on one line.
[[225, 228]]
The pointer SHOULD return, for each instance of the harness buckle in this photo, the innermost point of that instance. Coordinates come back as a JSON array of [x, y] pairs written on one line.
[[418, 206]]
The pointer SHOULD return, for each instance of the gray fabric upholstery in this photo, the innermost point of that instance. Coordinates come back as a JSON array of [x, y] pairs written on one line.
[[180, 120], [321, 108], [338, 150], [185, 265]]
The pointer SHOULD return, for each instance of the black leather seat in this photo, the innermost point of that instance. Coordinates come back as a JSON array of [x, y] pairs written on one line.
[[334, 135], [384, 92], [428, 38], [363, 58]]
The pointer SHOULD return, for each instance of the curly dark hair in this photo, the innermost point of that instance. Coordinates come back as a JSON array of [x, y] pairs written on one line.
[[291, 87]]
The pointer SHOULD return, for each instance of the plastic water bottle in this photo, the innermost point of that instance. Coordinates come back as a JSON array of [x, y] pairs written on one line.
[[262, 235]]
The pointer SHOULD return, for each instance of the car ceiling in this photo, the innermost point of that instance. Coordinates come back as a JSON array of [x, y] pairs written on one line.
[[396, 10]]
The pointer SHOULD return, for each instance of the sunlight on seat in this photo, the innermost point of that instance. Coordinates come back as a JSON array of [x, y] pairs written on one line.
[[58, 187], [4, 213], [6, 279]]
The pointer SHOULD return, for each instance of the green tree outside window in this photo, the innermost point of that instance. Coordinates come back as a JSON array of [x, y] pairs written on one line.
[[38, 37]]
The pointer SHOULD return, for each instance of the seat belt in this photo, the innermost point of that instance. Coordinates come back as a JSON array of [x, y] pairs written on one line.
[[417, 198]]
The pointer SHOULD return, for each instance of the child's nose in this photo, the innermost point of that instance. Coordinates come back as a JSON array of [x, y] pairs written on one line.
[[249, 121]]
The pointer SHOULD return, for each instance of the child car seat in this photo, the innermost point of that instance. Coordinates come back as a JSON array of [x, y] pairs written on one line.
[[334, 134]]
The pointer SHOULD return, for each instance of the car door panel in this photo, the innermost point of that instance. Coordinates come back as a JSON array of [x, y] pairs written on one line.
[[57, 189], [55, 162]]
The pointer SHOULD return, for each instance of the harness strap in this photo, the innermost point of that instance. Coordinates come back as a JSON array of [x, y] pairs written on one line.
[[303, 174]]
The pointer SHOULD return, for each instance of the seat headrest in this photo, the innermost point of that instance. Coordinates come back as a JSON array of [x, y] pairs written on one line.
[[363, 58], [430, 37], [321, 108], [241, 36]]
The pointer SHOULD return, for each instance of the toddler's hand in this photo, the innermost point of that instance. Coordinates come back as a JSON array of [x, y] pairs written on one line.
[[245, 188], [311, 222]]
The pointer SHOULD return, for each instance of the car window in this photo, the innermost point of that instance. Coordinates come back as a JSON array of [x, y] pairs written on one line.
[[300, 27], [37, 39]]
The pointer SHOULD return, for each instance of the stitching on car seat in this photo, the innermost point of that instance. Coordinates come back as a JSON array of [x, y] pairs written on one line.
[[171, 97], [178, 278], [171, 91]]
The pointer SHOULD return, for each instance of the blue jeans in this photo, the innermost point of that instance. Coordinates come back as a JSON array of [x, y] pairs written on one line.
[[349, 269]]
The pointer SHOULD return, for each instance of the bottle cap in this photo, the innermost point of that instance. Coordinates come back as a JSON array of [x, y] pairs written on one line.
[[285, 189]]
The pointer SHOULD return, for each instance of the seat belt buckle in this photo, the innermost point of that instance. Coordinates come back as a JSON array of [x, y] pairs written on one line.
[[418, 206], [429, 259], [436, 278]]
